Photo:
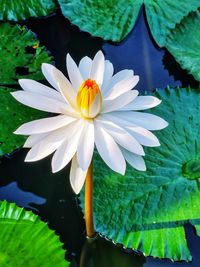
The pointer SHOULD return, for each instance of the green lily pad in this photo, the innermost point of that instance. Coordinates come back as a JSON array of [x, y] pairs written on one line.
[[113, 20], [184, 44], [163, 16], [147, 211], [13, 114], [21, 54], [27, 241], [23, 9]]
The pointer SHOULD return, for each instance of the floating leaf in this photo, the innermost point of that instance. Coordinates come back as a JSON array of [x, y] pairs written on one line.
[[184, 44], [147, 210], [113, 20], [163, 16], [13, 114], [27, 241], [23, 9], [21, 55]]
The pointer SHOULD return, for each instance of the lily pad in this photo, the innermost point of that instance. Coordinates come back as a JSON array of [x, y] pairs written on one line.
[[113, 20], [163, 16], [13, 114], [27, 241], [21, 54], [147, 211], [23, 9], [184, 44]]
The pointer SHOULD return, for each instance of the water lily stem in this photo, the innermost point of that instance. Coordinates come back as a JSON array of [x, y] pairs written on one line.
[[88, 204]]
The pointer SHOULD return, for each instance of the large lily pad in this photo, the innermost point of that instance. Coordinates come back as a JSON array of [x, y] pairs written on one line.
[[21, 54], [184, 44], [27, 241], [23, 9], [113, 20], [147, 210], [13, 114]]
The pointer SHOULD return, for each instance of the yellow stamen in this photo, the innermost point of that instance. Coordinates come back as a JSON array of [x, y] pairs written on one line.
[[89, 92]]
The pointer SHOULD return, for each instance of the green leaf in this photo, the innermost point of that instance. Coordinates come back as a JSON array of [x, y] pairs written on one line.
[[184, 44], [23, 9], [21, 55], [113, 20], [163, 16], [27, 241], [147, 210], [13, 114], [110, 20]]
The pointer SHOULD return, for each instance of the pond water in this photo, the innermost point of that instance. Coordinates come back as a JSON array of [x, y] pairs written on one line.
[[32, 185]]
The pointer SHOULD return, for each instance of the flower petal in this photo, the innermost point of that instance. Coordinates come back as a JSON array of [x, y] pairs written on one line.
[[64, 153], [47, 70], [85, 67], [119, 102], [86, 146], [41, 89], [108, 73], [143, 136], [109, 150], [77, 176], [145, 120], [50, 143], [97, 69], [74, 73], [135, 161], [142, 103], [121, 136], [120, 78], [122, 86], [34, 139], [44, 125], [40, 102]]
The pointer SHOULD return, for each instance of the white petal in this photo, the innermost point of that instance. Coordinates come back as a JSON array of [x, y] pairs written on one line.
[[109, 150], [142, 103], [124, 85], [135, 161], [145, 120], [119, 102], [95, 107], [86, 146], [44, 125], [77, 176], [34, 139], [47, 70], [50, 143], [74, 73], [40, 102], [108, 73], [121, 136], [64, 86], [143, 136], [117, 78], [85, 67], [41, 89], [64, 153], [97, 69]]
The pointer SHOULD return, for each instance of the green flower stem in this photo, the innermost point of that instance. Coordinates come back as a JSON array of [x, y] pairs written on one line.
[[88, 204]]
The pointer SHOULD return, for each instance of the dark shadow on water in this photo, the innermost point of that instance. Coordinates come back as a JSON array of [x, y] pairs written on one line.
[[100, 252]]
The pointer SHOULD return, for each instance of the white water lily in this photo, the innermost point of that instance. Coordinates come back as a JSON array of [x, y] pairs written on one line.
[[96, 108]]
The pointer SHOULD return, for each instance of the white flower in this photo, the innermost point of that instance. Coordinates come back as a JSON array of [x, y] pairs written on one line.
[[96, 108]]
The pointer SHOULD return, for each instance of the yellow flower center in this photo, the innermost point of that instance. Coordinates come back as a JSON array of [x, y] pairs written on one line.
[[89, 99]]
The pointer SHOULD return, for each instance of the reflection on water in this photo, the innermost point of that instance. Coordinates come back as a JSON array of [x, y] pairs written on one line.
[[100, 252], [13, 193]]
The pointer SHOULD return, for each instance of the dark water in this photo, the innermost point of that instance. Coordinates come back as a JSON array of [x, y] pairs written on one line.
[[32, 185]]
